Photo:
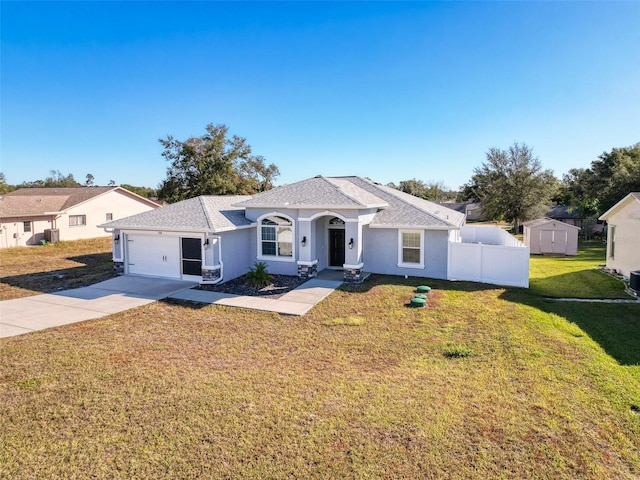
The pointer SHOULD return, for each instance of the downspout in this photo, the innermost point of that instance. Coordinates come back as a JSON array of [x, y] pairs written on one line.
[[219, 279]]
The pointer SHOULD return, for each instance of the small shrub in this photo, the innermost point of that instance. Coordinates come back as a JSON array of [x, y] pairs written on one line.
[[458, 351], [258, 275]]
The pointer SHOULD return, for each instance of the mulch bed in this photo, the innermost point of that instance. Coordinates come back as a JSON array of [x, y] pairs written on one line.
[[280, 285]]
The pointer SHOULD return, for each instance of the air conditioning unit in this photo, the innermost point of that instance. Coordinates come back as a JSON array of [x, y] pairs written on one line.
[[634, 281]]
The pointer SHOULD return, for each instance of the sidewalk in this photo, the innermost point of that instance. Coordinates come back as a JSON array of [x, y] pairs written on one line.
[[297, 302]]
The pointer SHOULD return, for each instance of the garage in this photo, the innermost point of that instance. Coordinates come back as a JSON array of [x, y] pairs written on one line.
[[164, 256], [548, 236]]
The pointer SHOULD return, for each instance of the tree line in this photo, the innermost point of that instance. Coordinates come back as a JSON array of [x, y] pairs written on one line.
[[511, 183]]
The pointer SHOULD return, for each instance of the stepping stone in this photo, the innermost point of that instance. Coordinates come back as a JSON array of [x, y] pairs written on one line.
[[423, 289]]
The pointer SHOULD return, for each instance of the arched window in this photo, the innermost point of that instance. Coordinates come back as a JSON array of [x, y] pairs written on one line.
[[336, 222], [277, 237]]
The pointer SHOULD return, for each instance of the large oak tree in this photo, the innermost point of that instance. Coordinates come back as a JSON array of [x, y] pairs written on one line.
[[512, 185], [213, 164]]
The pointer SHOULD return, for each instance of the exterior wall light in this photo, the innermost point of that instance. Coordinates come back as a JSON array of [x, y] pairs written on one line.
[[116, 239], [304, 241], [351, 243], [206, 243]]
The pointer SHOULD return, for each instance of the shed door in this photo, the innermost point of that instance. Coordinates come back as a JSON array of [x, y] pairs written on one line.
[[553, 241], [559, 241], [155, 256], [546, 241]]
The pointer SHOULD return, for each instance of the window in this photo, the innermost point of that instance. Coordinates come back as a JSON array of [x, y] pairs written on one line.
[[612, 235], [26, 226], [276, 237], [77, 220], [109, 217], [410, 249]]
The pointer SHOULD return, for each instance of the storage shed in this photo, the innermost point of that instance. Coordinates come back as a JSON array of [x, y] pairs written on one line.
[[546, 235]]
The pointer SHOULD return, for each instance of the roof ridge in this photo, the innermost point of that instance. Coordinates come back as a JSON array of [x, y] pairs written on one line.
[[205, 210], [392, 191], [342, 191]]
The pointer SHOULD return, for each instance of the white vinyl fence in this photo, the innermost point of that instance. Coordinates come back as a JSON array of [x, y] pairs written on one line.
[[489, 255]]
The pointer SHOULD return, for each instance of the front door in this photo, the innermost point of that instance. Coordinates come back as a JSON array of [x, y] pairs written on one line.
[[336, 247]]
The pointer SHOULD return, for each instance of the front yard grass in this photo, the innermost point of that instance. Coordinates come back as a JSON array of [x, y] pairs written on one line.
[[39, 269], [485, 382]]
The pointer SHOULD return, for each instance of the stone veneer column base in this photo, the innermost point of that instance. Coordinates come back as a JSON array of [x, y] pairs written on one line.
[[210, 274], [353, 274], [118, 268], [307, 270]]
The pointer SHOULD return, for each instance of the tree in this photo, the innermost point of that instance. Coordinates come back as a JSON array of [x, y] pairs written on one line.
[[4, 186], [436, 191], [213, 164], [89, 181], [145, 192], [612, 176], [55, 179], [512, 185]]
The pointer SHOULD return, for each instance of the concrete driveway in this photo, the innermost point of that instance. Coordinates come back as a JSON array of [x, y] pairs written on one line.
[[23, 315]]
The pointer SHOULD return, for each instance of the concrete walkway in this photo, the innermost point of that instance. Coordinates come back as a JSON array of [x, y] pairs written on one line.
[[297, 302], [24, 315]]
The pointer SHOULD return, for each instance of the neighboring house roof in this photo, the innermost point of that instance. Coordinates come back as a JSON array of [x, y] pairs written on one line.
[[544, 221], [48, 201], [205, 213], [564, 211], [629, 199]]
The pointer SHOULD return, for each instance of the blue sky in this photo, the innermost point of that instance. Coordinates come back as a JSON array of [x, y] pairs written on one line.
[[391, 91]]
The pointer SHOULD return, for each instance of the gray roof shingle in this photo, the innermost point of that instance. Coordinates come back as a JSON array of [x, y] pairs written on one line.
[[318, 192], [204, 213]]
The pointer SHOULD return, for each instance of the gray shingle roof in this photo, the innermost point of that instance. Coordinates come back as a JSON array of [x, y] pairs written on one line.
[[204, 213], [219, 213], [318, 192], [408, 210]]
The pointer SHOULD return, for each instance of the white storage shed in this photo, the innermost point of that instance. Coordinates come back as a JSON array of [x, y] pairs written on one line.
[[548, 236]]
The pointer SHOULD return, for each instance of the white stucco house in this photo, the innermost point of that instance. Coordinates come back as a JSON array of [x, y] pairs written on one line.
[[28, 215], [344, 223], [623, 235]]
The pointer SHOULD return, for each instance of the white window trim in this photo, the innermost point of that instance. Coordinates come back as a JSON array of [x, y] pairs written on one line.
[[78, 225], [411, 265], [276, 258]]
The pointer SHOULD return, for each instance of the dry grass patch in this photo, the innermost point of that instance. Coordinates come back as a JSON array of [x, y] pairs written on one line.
[[29, 271], [174, 390]]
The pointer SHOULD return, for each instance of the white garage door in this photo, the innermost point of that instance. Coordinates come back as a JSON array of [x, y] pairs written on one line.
[[154, 256]]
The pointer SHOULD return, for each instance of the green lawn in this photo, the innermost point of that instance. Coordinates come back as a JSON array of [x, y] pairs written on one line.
[[485, 382], [575, 277]]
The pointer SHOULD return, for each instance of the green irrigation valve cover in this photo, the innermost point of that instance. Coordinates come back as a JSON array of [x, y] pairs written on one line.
[[418, 302], [424, 289], [420, 295]]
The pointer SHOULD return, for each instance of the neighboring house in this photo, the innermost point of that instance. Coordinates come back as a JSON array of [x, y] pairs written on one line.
[[573, 216], [30, 215], [546, 235], [472, 211], [623, 235], [343, 223]]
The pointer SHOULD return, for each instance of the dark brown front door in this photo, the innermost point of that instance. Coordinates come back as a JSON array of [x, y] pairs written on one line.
[[336, 247]]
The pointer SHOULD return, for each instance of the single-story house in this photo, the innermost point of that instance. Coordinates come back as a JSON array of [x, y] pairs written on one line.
[[623, 235], [546, 235], [344, 223], [30, 215], [573, 216]]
